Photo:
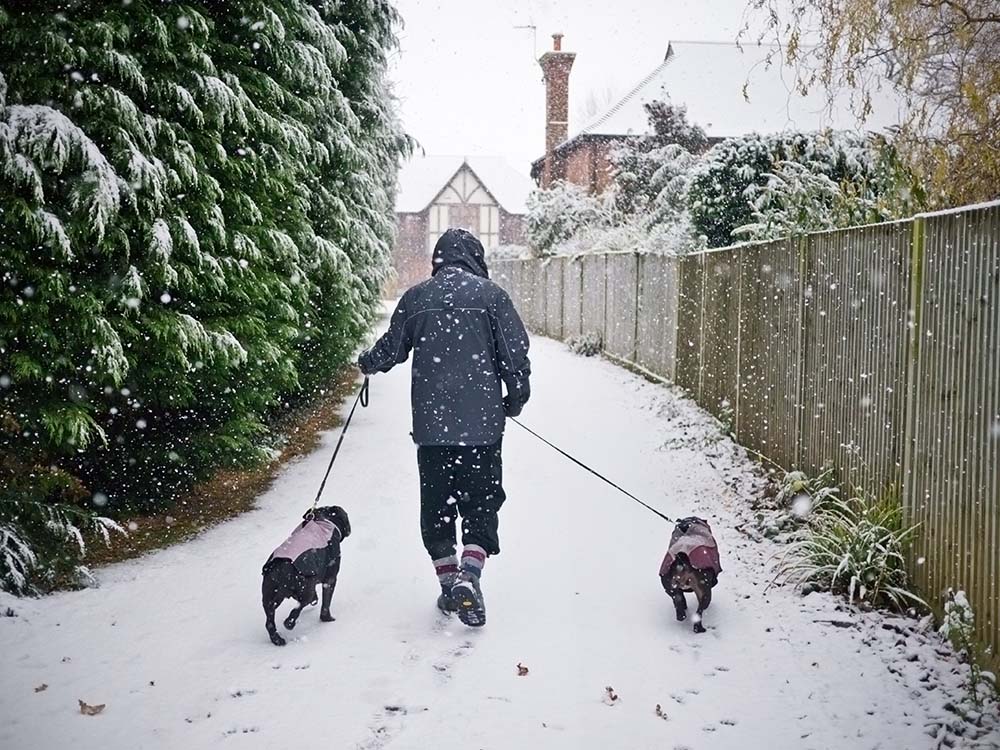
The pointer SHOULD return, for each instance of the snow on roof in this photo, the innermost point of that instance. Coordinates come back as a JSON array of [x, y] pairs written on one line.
[[709, 79], [424, 177]]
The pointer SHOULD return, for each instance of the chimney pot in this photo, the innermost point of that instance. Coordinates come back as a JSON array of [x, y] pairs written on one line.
[[557, 42]]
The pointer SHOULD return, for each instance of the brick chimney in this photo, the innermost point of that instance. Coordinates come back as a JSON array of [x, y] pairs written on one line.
[[556, 65]]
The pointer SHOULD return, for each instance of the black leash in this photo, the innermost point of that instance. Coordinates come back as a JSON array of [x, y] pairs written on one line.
[[596, 474], [362, 399]]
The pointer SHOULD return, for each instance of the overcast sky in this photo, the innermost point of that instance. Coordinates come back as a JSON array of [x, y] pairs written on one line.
[[469, 81]]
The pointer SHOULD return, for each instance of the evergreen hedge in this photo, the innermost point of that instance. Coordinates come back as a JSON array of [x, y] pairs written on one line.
[[195, 222]]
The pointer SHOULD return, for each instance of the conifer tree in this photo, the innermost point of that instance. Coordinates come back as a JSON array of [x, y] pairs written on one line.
[[195, 222]]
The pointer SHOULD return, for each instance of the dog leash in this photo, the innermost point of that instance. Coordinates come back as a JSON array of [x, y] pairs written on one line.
[[362, 398], [600, 476]]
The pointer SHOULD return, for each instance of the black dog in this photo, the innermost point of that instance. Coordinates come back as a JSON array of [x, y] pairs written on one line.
[[691, 564], [311, 555]]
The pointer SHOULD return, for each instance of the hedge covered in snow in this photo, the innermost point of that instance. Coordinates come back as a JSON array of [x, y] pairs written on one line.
[[195, 221], [768, 186]]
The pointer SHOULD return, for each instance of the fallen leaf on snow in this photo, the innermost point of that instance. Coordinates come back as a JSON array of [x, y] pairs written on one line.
[[87, 710], [41, 688], [610, 696], [521, 670]]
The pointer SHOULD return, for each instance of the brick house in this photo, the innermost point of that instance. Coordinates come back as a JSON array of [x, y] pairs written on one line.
[[482, 194], [727, 89]]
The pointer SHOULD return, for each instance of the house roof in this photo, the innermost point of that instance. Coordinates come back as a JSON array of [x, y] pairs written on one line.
[[731, 90], [424, 177]]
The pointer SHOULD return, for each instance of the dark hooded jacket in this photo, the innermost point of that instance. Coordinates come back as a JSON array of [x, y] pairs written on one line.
[[466, 339]]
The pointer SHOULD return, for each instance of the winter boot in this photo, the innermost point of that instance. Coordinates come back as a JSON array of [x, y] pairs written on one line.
[[446, 569], [446, 602], [468, 597]]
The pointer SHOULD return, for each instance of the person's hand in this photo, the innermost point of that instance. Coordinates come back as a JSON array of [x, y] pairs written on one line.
[[511, 408]]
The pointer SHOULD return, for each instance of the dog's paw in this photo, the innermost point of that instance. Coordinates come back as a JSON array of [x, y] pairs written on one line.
[[277, 640], [698, 627], [290, 622], [681, 616], [326, 617]]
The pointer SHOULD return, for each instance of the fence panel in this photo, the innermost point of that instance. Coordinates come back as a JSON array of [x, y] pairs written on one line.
[[769, 349], [719, 371], [520, 291], [952, 487], [690, 294], [501, 271], [572, 297], [622, 304], [534, 286], [657, 321], [554, 297], [594, 294], [856, 317]]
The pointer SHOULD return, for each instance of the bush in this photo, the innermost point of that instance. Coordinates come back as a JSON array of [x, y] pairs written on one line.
[[558, 213], [854, 547], [768, 186], [651, 172], [195, 222], [586, 345]]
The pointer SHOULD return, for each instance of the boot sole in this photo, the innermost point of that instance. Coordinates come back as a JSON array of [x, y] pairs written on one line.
[[471, 611]]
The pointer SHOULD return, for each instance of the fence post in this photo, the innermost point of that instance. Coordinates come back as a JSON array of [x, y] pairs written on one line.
[[804, 246], [701, 331], [635, 337], [917, 247], [604, 301], [738, 389]]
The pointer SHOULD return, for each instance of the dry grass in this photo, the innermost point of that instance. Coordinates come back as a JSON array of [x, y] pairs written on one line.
[[228, 493]]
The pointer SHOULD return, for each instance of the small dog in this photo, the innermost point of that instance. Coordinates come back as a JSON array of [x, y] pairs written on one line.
[[311, 555], [691, 564]]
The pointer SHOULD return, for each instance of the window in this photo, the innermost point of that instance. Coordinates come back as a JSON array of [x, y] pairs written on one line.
[[437, 223], [489, 226]]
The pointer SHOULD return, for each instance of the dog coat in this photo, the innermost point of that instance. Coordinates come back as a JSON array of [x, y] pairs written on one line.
[[697, 543], [306, 546]]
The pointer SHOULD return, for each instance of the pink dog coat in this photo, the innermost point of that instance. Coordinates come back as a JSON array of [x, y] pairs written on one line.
[[305, 541], [697, 543]]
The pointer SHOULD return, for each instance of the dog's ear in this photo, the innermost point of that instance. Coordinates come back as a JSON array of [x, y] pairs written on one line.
[[342, 521]]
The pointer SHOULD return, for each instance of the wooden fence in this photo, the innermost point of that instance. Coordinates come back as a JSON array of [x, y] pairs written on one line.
[[873, 350]]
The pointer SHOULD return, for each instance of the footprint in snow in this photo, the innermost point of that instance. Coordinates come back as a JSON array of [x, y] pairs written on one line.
[[728, 722], [445, 664], [385, 726], [242, 692], [240, 730]]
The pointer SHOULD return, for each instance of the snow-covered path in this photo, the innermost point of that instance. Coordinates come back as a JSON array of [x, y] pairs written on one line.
[[175, 645]]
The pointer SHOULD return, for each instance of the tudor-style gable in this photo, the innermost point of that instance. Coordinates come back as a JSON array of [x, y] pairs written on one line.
[[481, 194]]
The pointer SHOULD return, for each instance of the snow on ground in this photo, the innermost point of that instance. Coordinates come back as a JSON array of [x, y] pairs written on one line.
[[174, 643]]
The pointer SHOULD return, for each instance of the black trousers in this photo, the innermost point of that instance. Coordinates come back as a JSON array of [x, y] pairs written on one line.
[[460, 481]]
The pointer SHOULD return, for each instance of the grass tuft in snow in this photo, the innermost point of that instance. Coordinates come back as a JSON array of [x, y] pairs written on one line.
[[854, 546]]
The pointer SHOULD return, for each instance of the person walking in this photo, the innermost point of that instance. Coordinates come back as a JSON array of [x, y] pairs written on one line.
[[467, 339]]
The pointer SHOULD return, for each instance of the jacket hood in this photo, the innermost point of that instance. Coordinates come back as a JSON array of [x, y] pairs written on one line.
[[461, 248]]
